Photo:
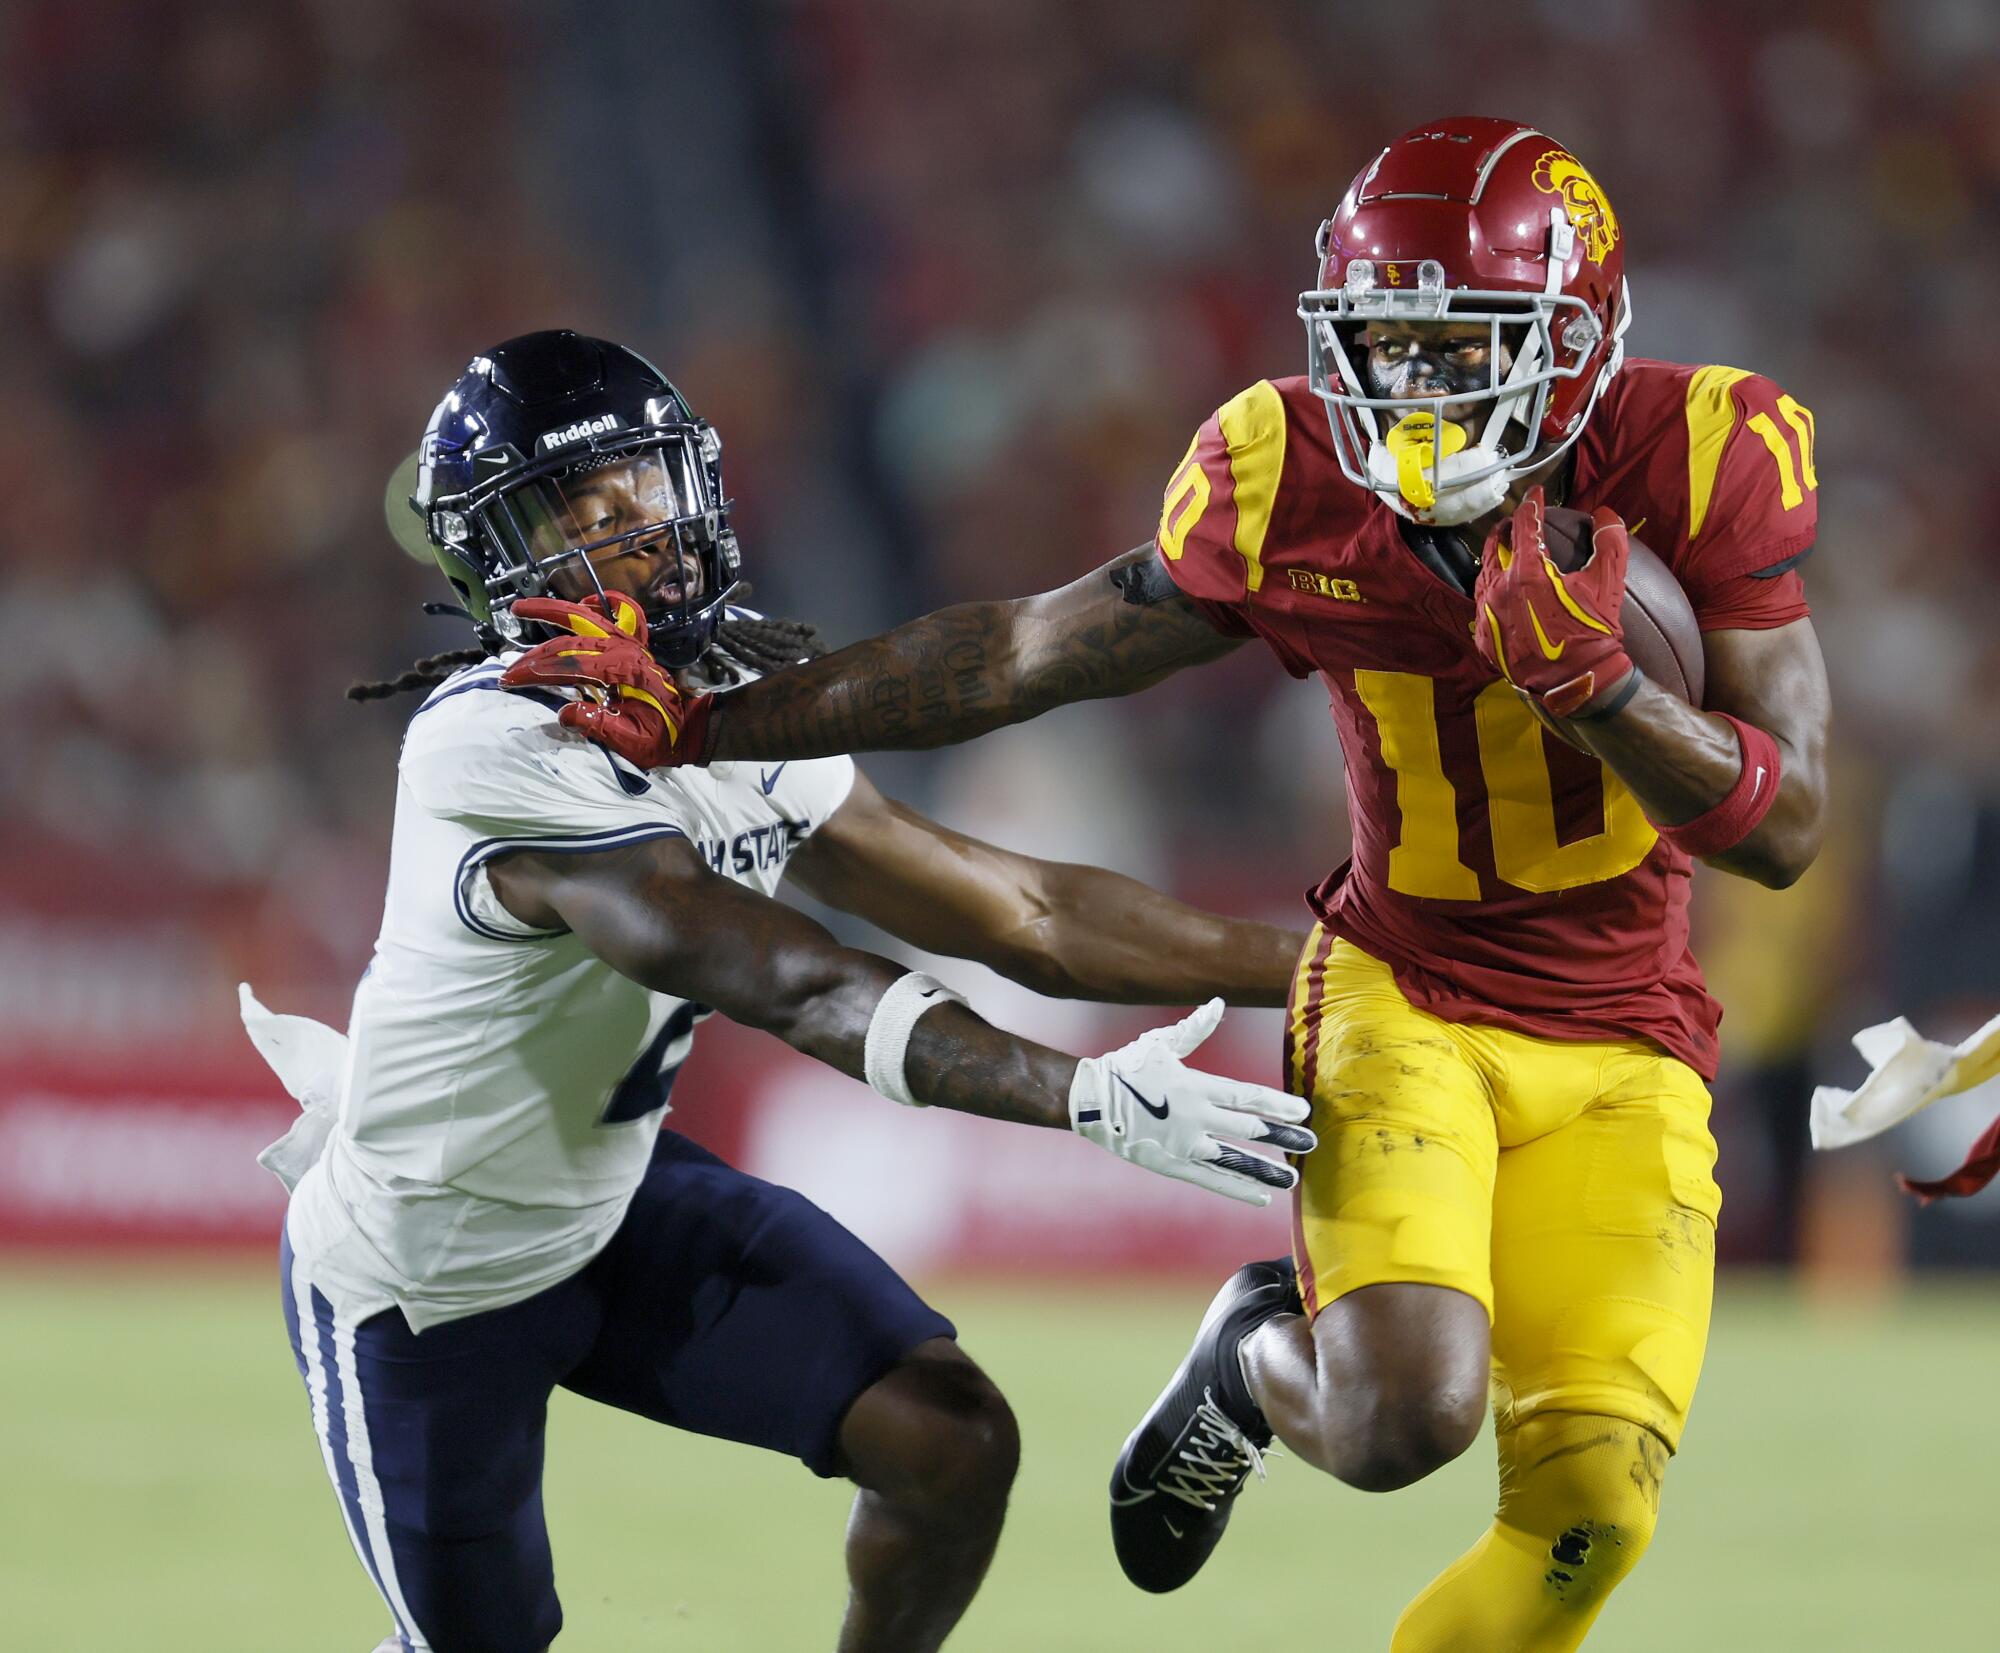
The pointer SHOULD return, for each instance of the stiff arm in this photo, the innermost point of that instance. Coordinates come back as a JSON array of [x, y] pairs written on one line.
[[962, 672]]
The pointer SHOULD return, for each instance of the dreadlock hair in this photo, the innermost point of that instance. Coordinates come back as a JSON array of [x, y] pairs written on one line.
[[766, 645], [426, 673], [763, 645]]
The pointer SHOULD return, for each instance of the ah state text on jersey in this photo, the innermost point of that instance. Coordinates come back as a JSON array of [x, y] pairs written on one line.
[[764, 846]]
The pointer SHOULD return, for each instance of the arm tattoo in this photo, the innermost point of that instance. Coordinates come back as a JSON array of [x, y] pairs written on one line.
[[963, 671]]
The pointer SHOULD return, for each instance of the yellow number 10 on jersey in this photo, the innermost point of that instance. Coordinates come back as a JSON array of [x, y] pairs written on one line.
[[1520, 798]]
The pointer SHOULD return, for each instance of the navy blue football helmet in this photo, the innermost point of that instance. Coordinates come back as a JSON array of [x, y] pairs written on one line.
[[555, 451]]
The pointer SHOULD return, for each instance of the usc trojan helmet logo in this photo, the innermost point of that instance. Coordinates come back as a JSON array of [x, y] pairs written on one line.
[[1559, 172]]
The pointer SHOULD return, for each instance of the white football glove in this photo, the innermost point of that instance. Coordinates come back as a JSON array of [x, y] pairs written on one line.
[[1140, 1102]]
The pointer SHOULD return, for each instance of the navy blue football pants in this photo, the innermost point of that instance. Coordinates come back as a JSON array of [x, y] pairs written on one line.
[[724, 1305]]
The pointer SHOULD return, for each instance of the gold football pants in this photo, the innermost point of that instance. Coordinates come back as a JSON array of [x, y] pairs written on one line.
[[1569, 1188]]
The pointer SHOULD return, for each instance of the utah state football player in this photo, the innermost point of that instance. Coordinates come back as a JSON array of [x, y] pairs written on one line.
[[485, 1207], [1498, 1021]]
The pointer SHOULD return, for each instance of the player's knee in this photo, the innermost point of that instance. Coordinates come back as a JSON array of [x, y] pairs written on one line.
[[1399, 1437], [1592, 1554], [977, 1445], [1402, 1383], [1587, 1488], [956, 1446]]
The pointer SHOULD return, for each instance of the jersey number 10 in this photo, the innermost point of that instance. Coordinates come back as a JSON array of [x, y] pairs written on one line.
[[1520, 798]]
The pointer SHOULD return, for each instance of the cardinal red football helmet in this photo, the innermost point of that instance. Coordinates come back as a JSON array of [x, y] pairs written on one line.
[[1469, 220]]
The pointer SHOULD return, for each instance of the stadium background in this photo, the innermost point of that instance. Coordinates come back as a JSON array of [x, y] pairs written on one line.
[[955, 279]]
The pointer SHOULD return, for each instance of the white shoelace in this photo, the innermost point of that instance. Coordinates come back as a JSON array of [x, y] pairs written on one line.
[[1214, 1461]]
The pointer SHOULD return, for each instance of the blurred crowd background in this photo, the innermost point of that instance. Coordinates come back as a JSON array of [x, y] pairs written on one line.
[[956, 279]]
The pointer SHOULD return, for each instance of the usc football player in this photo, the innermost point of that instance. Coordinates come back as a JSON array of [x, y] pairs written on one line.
[[1499, 1024]]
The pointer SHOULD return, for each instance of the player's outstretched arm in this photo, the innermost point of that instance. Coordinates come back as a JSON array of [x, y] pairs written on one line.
[[1066, 930], [1683, 764], [656, 913], [945, 678], [964, 671]]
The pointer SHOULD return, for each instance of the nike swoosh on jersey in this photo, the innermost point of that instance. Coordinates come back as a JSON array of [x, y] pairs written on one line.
[[768, 778], [1158, 1112]]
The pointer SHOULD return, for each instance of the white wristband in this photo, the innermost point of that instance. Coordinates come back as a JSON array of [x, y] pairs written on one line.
[[889, 1031]]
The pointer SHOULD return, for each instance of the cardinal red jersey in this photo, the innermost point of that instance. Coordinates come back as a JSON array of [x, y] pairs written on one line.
[[1504, 876]]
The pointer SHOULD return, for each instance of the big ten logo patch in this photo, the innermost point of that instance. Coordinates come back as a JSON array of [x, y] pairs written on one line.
[[1324, 585]]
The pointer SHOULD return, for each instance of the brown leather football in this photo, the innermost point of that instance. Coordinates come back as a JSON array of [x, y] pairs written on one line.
[[1661, 634]]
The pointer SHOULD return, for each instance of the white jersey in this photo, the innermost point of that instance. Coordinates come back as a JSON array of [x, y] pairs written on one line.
[[503, 1086]]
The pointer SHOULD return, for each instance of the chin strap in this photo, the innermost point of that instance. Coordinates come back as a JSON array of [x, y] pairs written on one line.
[[1444, 552]]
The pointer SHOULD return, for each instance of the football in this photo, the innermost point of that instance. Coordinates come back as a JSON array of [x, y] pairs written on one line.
[[1661, 634]]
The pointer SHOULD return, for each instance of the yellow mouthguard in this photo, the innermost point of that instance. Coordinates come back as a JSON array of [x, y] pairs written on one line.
[[1410, 439]]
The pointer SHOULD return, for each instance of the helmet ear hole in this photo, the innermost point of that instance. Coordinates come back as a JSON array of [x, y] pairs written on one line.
[[1581, 336]]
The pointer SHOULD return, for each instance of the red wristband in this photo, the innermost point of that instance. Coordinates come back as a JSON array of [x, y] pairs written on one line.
[[1747, 803]]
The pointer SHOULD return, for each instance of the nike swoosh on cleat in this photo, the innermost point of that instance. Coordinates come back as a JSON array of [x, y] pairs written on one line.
[[1159, 1112], [768, 778], [1172, 1528]]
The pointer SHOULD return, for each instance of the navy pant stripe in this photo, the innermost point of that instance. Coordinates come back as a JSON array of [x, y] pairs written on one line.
[[345, 1481], [325, 1355], [300, 1322]]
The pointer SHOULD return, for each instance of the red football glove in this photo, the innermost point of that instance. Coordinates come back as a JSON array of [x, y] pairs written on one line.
[[1556, 636], [630, 703]]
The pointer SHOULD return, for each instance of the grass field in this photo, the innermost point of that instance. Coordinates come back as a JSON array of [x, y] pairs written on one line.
[[162, 1492]]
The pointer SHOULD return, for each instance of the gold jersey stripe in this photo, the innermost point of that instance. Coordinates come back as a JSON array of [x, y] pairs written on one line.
[[1253, 424], [1711, 417]]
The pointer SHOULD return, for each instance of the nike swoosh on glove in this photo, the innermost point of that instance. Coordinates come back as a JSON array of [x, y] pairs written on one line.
[[629, 703], [1144, 1104], [1553, 635]]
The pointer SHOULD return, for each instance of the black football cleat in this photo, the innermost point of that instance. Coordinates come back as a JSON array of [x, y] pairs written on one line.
[[1181, 1469]]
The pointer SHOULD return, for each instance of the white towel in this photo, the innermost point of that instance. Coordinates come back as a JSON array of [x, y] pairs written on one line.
[[310, 1060], [1910, 1073]]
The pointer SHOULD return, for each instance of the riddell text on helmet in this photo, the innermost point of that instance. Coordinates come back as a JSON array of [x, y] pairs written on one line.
[[582, 428]]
